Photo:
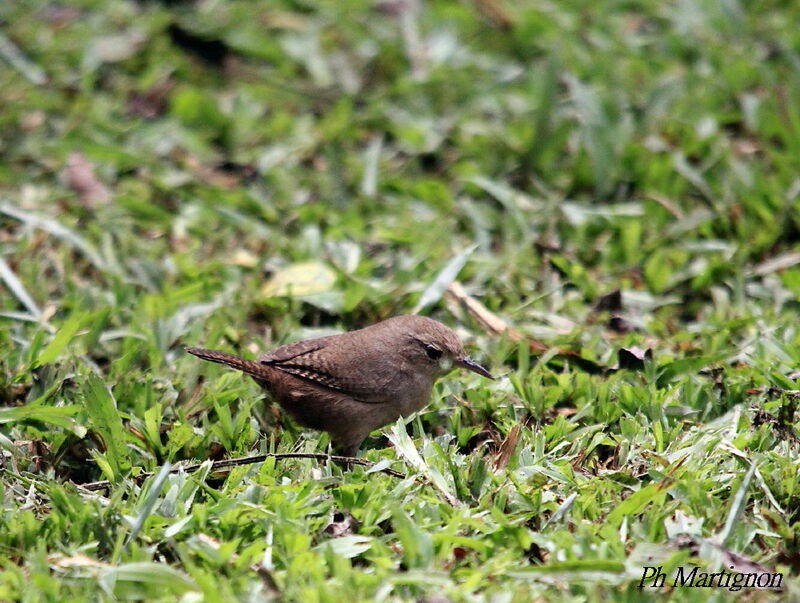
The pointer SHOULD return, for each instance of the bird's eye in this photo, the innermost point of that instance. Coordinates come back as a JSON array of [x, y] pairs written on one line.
[[433, 352]]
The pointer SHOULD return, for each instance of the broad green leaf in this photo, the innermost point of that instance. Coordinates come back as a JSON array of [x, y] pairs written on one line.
[[56, 415], [61, 339], [683, 366], [737, 505], [417, 543], [635, 503], [145, 580], [347, 546], [405, 446], [105, 419]]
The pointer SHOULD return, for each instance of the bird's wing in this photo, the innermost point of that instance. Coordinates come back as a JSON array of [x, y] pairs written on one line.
[[321, 361]]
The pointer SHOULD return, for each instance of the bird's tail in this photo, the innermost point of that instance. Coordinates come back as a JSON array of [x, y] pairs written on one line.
[[256, 369]]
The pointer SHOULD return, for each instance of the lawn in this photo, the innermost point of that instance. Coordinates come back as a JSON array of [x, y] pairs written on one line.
[[602, 199]]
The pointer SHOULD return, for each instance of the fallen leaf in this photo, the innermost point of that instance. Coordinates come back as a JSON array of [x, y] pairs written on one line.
[[507, 448], [633, 358], [76, 560], [152, 102], [81, 178], [620, 325], [610, 302], [495, 12], [776, 264], [342, 524], [242, 257], [296, 280]]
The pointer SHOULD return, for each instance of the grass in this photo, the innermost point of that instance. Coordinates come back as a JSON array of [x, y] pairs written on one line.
[[239, 175]]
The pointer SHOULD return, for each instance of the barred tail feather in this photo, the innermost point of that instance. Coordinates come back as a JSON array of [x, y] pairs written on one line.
[[248, 366]]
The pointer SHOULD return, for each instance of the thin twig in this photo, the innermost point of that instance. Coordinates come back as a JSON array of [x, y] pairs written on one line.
[[249, 460], [494, 325]]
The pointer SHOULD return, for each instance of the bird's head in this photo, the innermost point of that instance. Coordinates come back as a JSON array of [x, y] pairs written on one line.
[[434, 347]]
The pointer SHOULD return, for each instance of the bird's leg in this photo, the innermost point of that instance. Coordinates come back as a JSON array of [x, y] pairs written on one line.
[[350, 449]]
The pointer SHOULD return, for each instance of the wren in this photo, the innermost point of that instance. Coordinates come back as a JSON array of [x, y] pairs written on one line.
[[355, 382]]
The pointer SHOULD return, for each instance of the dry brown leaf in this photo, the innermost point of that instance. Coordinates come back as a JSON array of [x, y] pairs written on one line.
[[496, 12], [242, 257], [667, 204], [488, 319], [610, 302], [342, 523], [507, 448], [776, 264], [77, 560], [152, 102], [633, 358], [82, 179]]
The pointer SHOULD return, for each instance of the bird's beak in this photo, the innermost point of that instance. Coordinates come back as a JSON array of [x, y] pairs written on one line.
[[468, 363]]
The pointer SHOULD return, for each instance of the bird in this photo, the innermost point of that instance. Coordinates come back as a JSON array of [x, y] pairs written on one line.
[[355, 382]]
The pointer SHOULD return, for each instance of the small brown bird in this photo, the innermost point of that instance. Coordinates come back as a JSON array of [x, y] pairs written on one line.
[[355, 382]]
